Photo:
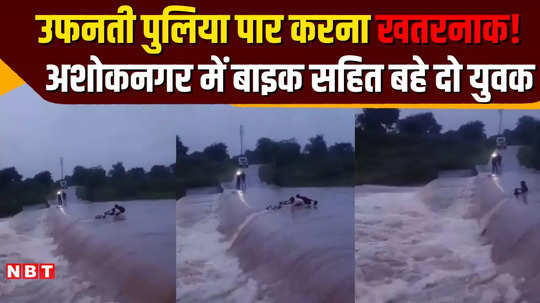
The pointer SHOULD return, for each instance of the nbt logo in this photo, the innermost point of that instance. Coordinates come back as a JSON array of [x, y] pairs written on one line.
[[32, 271]]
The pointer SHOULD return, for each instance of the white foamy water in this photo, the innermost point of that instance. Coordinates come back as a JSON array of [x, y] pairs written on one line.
[[30, 243], [415, 245], [206, 272]]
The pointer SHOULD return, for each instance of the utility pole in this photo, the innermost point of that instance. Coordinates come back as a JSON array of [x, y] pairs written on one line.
[[241, 140], [500, 122], [61, 168]]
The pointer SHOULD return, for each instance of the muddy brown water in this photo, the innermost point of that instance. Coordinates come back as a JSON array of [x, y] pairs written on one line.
[[295, 254], [129, 260]]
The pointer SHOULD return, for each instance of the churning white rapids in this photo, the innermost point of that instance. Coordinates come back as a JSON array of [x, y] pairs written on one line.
[[419, 244]]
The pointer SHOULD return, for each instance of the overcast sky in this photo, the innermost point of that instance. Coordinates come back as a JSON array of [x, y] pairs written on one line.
[[34, 134], [281, 123], [202, 125]]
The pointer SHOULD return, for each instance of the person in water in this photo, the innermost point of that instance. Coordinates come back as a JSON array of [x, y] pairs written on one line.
[[307, 200], [499, 163], [524, 187], [298, 201], [115, 211], [494, 165], [59, 197], [238, 181], [280, 204], [120, 209], [243, 178], [522, 190], [290, 201]]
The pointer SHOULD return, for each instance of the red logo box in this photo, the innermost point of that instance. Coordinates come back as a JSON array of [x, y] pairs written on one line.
[[46, 271], [13, 271], [30, 271]]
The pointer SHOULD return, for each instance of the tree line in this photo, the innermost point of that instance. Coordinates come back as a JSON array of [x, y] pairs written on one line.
[[97, 184], [16, 192], [285, 163], [527, 134], [413, 150], [204, 168]]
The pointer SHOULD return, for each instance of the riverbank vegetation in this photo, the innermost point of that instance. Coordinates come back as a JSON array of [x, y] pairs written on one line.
[[206, 168], [527, 134], [412, 150], [285, 163], [95, 184], [16, 192]]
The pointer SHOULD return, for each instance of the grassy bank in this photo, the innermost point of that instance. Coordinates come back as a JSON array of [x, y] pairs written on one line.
[[180, 190], [398, 160], [206, 174], [207, 168], [9, 207], [95, 184], [527, 134], [285, 163], [305, 173], [528, 157], [16, 192], [13, 203], [412, 150]]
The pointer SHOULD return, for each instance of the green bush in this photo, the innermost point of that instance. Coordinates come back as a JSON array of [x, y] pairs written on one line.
[[285, 163], [9, 207], [309, 172], [526, 156], [15, 193], [395, 159], [205, 173], [119, 184]]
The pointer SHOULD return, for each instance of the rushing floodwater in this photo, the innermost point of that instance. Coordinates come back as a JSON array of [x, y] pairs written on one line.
[[96, 260], [205, 271], [418, 245], [23, 240], [147, 234], [231, 249]]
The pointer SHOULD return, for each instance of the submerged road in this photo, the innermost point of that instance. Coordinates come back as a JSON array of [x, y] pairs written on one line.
[[292, 254]]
